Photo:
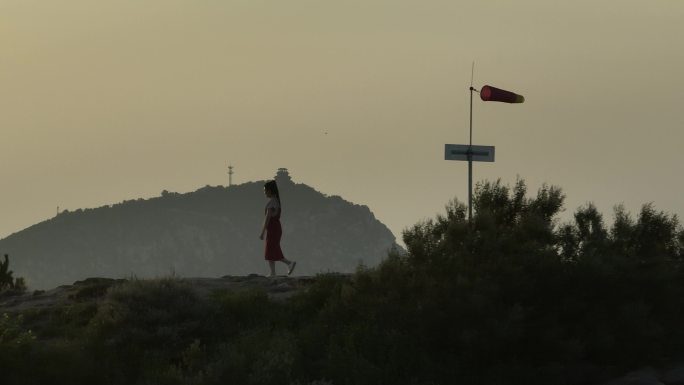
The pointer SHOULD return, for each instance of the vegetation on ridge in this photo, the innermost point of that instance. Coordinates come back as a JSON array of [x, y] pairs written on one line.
[[513, 298]]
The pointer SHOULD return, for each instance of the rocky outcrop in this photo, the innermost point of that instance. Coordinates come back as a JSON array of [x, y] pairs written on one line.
[[277, 288]]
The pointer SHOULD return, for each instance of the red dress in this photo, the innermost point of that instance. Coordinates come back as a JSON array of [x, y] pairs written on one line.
[[273, 234]]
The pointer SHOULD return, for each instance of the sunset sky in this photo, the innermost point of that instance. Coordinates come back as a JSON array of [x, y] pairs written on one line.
[[105, 101]]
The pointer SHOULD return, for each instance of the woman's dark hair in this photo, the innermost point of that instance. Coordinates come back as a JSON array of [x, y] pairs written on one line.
[[272, 187]]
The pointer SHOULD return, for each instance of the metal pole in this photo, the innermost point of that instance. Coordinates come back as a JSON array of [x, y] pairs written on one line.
[[470, 161]]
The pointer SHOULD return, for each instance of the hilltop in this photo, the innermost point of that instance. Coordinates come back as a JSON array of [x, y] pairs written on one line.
[[211, 232]]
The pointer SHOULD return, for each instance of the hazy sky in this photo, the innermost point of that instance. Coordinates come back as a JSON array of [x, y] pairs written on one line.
[[104, 101]]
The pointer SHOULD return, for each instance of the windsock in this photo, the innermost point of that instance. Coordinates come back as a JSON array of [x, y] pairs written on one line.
[[493, 94]]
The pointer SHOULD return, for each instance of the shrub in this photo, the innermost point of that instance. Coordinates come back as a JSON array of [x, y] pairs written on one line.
[[144, 325]]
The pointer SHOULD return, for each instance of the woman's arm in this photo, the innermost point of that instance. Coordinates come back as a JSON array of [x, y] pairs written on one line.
[[269, 213]]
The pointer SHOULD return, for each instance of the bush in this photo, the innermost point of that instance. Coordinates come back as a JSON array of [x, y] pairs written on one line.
[[144, 325]]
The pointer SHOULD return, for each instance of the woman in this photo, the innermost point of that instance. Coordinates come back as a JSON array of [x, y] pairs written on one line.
[[273, 230]]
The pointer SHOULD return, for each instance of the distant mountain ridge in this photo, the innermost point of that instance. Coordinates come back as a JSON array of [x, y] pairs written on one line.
[[210, 232]]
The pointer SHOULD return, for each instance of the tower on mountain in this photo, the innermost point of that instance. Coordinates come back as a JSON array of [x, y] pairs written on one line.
[[283, 176]]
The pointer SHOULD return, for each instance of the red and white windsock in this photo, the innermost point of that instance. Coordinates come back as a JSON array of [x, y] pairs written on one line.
[[493, 94]]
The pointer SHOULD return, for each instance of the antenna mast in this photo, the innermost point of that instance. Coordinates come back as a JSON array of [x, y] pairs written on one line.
[[230, 175]]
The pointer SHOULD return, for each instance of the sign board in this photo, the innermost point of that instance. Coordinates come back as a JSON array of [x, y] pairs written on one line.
[[461, 152]]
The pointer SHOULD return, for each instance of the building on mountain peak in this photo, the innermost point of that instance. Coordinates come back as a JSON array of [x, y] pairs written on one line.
[[283, 176]]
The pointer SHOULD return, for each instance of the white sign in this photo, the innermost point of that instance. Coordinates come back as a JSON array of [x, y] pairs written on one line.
[[461, 152]]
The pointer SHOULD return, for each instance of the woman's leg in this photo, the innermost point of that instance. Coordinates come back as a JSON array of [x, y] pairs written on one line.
[[271, 264], [290, 264]]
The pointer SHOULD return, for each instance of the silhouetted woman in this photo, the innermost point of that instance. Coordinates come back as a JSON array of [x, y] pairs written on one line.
[[273, 230]]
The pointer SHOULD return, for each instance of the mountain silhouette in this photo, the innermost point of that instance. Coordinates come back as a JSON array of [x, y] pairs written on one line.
[[211, 232]]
